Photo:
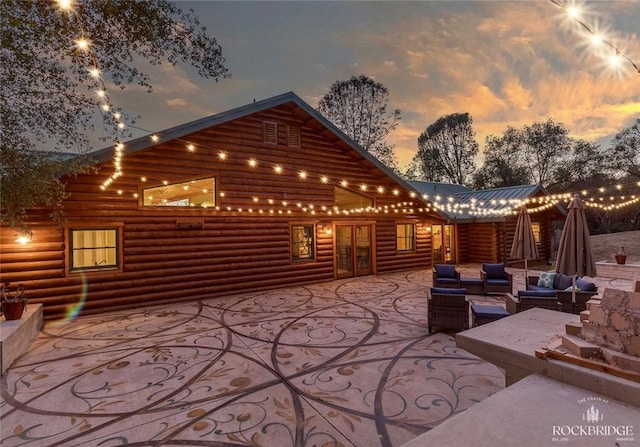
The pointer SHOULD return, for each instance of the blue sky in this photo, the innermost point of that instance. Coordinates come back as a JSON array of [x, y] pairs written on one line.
[[507, 63]]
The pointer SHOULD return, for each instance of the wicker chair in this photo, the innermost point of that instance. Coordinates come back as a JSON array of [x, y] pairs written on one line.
[[496, 279], [446, 275], [526, 301], [448, 309]]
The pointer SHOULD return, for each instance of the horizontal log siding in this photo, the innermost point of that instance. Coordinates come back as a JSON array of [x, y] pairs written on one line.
[[388, 258], [483, 245], [462, 231], [235, 251]]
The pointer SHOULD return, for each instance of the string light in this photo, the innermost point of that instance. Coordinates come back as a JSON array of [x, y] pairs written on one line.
[[475, 208], [82, 44], [615, 55]]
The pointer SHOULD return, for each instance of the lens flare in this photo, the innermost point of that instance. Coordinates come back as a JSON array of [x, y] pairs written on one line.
[[73, 309]]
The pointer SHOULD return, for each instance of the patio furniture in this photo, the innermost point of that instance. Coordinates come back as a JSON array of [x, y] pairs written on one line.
[[446, 275], [496, 279], [571, 307], [447, 309], [528, 299], [474, 286], [481, 314], [561, 286]]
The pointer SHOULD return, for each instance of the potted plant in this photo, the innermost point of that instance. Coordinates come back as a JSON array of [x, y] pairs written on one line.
[[621, 256], [13, 306]]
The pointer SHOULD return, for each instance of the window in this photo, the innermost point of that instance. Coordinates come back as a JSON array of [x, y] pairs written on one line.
[[536, 231], [192, 193], [94, 249], [405, 237], [302, 242], [345, 199], [270, 132]]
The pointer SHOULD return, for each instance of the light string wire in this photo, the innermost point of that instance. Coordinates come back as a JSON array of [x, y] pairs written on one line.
[[473, 207], [596, 38], [83, 44]]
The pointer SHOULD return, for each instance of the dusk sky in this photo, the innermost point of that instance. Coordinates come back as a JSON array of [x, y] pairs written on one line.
[[507, 63]]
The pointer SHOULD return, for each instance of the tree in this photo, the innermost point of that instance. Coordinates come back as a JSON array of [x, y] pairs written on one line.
[[541, 153], [625, 154], [580, 168], [501, 167], [542, 146], [447, 150], [358, 107], [49, 84]]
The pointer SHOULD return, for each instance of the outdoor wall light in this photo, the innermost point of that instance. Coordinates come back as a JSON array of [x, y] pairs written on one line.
[[24, 237]]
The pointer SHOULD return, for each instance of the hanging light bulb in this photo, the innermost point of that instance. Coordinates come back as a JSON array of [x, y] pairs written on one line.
[[82, 44]]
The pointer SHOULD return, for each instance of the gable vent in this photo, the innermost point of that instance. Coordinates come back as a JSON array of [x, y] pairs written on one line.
[[294, 136], [270, 132]]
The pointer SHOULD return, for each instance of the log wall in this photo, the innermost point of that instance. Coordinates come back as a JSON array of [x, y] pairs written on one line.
[[244, 245]]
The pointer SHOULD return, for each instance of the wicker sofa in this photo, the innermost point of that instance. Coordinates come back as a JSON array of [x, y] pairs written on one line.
[[447, 309], [561, 285], [528, 299]]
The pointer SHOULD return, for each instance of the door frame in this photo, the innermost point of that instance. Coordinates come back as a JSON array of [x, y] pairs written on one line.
[[453, 246], [353, 248]]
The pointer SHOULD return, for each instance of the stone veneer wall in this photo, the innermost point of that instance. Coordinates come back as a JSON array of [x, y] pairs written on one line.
[[615, 322]]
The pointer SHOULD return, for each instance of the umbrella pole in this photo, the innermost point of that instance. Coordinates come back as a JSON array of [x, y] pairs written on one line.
[[526, 276], [573, 295]]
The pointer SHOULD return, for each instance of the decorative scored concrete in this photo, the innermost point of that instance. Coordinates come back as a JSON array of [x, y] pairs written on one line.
[[345, 363]]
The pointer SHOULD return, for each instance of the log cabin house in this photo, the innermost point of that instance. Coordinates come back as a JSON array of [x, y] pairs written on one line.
[[263, 196], [477, 229], [266, 195]]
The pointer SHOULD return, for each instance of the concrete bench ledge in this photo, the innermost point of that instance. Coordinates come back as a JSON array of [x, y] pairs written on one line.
[[17, 335], [539, 411]]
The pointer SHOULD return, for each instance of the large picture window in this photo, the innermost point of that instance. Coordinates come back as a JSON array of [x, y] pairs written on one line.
[[405, 237], [302, 242], [93, 249], [191, 193]]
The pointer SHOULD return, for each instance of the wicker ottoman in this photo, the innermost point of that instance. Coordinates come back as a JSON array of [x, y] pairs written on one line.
[[486, 314]]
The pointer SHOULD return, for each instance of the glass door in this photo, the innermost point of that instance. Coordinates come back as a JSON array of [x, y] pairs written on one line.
[[353, 251], [443, 244], [436, 244], [344, 251], [449, 243], [363, 250]]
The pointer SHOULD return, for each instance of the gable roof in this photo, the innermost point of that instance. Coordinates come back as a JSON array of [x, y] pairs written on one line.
[[183, 130], [471, 206]]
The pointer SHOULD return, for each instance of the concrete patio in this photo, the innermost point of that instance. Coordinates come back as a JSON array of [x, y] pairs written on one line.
[[344, 363]]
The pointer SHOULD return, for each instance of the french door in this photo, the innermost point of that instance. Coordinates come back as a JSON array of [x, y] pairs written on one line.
[[353, 251], [443, 244]]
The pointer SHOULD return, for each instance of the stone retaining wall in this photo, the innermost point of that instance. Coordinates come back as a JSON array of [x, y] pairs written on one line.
[[614, 322]]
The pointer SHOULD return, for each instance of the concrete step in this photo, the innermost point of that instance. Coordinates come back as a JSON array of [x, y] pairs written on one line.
[[573, 328], [593, 302], [581, 347]]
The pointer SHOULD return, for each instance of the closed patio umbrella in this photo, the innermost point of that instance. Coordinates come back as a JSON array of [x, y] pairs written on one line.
[[575, 256], [524, 243]]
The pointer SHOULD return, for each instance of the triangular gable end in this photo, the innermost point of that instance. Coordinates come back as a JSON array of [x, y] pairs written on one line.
[[288, 102]]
